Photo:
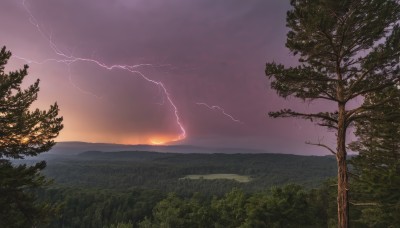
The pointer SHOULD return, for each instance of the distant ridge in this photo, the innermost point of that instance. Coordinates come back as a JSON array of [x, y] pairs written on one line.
[[74, 148]]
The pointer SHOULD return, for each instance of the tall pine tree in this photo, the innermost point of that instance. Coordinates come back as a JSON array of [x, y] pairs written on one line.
[[377, 167], [347, 49], [23, 132]]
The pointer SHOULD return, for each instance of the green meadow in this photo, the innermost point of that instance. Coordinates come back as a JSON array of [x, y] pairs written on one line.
[[236, 177]]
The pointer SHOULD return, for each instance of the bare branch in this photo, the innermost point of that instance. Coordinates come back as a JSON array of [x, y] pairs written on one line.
[[321, 145], [329, 126], [363, 204]]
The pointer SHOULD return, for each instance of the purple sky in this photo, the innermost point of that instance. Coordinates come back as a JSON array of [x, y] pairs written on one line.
[[202, 51]]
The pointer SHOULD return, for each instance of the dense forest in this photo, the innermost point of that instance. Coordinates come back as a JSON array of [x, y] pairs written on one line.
[[146, 189], [165, 171], [142, 188], [287, 206]]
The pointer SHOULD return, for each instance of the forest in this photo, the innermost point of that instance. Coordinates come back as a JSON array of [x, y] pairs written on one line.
[[164, 171], [145, 189]]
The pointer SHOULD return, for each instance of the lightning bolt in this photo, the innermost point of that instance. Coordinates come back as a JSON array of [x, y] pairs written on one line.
[[29, 61], [216, 107], [70, 59]]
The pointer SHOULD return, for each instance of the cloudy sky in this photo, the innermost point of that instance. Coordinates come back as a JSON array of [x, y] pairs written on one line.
[[154, 71]]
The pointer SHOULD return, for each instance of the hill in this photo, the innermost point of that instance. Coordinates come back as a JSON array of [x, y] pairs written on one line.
[[73, 148]]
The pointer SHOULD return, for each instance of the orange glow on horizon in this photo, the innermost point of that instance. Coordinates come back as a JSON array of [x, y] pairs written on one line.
[[156, 142], [151, 140], [69, 134], [162, 140]]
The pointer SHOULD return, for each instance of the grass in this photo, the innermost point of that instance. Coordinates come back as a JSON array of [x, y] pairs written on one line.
[[236, 177]]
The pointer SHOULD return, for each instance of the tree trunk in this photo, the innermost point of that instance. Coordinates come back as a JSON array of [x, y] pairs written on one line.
[[342, 198]]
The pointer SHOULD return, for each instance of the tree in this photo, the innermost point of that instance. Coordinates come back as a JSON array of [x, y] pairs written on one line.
[[347, 49], [377, 167], [286, 206], [122, 225], [230, 210], [22, 133], [174, 211]]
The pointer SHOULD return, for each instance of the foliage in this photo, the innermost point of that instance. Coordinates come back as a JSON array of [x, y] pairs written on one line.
[[285, 206], [163, 171], [131, 201], [377, 167], [122, 225], [118, 187], [230, 211], [288, 206], [100, 208], [22, 133], [346, 49], [176, 212], [18, 206]]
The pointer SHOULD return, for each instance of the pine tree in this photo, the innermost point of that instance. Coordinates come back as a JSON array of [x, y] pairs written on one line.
[[22, 133], [377, 167], [347, 49]]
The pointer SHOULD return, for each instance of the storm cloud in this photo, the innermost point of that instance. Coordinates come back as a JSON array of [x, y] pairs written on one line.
[[210, 51]]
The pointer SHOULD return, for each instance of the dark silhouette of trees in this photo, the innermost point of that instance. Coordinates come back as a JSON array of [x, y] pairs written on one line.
[[22, 133], [347, 49]]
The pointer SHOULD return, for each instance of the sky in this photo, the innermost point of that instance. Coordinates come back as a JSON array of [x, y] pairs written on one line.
[[160, 71]]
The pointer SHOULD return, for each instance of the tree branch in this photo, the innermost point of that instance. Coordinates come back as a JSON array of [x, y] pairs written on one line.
[[310, 116], [376, 88], [363, 204], [351, 115], [321, 145]]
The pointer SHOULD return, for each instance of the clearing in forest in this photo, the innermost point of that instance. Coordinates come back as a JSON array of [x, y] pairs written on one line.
[[236, 177]]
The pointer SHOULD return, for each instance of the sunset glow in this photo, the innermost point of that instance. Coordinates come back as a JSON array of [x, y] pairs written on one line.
[[156, 142], [162, 140]]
